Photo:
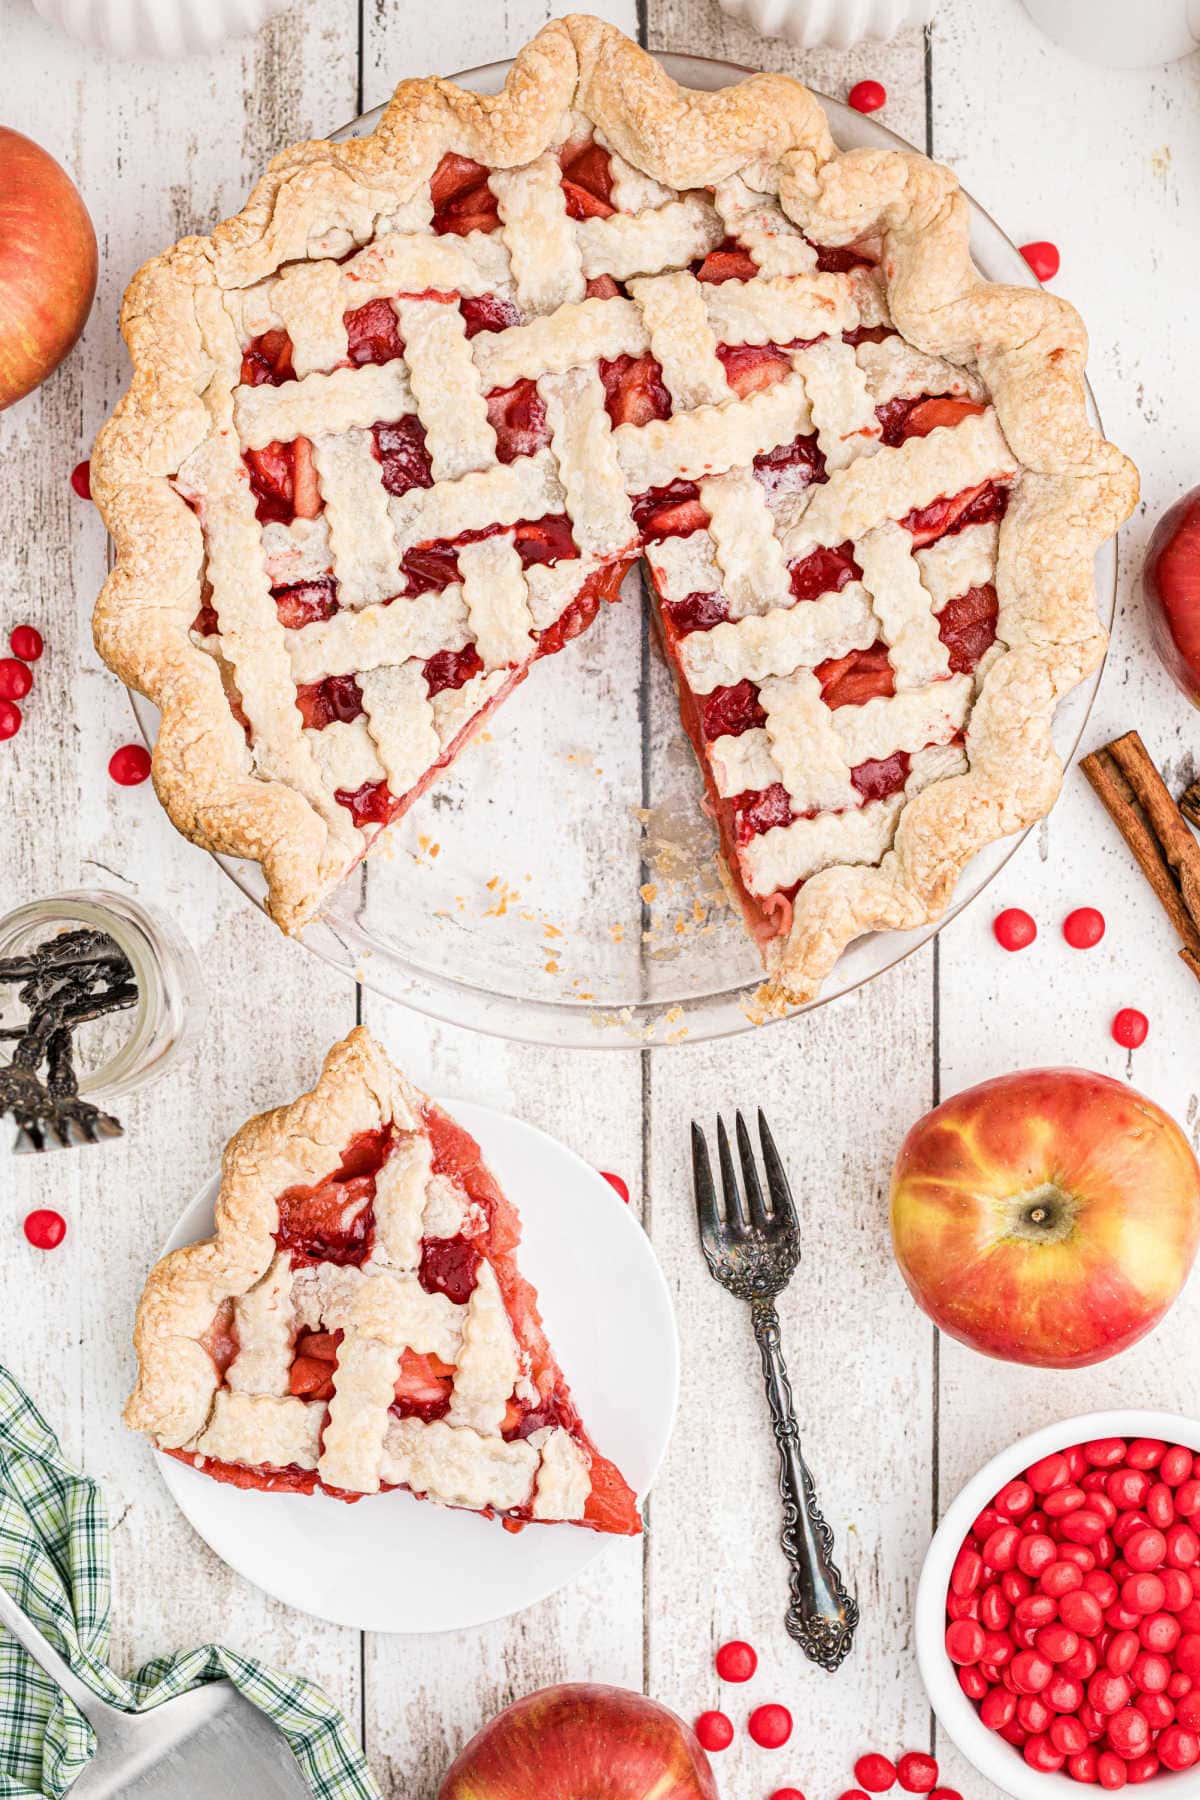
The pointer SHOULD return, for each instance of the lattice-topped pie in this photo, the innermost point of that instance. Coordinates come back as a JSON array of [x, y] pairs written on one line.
[[359, 1321], [397, 429]]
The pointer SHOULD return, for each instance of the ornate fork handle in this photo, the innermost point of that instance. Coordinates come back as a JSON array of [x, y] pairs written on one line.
[[822, 1616]]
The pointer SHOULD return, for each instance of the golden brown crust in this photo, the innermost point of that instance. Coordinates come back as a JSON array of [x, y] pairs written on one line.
[[292, 1146], [1029, 347]]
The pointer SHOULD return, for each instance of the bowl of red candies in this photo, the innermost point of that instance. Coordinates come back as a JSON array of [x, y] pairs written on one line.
[[1058, 1614]]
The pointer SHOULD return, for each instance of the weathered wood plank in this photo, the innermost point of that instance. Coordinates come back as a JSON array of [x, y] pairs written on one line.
[[1026, 147], [155, 156]]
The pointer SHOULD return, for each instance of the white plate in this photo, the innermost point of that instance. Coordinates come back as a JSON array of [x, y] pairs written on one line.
[[645, 950], [393, 1563]]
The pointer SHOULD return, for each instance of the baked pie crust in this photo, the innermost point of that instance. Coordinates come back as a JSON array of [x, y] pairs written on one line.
[[358, 1322], [863, 479]]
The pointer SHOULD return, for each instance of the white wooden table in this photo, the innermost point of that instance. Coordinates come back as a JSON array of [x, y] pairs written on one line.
[[1104, 164]]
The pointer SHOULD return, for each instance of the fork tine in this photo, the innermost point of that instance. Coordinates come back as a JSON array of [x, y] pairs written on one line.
[[754, 1194], [707, 1216], [782, 1204], [735, 1211]]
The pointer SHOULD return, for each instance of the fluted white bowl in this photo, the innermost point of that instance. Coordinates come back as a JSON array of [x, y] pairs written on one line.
[[836, 24], [156, 28]]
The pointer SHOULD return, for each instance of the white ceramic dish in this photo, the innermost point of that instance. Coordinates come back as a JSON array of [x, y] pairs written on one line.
[[837, 24], [596, 919], [999, 1761], [393, 1563]]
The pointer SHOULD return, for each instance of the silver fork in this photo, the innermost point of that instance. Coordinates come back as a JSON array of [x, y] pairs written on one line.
[[754, 1253]]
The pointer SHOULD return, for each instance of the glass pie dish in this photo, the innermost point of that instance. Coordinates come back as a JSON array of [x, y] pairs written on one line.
[[559, 884]]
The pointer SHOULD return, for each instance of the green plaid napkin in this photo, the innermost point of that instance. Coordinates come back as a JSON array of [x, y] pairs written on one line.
[[54, 1556]]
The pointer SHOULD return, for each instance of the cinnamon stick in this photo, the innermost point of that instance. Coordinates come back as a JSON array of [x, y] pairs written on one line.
[[1140, 805]]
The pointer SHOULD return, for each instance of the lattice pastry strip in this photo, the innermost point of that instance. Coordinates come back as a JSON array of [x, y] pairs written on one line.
[[493, 585], [588, 462], [954, 565], [790, 853], [361, 541], [903, 605], [843, 412], [895, 482], [322, 405], [400, 719], [262, 1430], [445, 388], [541, 239], [754, 576], [777, 246], [681, 339]]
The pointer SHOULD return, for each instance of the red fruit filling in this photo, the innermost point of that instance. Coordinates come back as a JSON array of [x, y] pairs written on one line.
[[518, 417], [488, 312], [673, 511], [982, 505], [903, 418], [449, 1266], [314, 1362], [462, 199], [334, 1221], [430, 568], [728, 262], [854, 679], [729, 711], [791, 467], [587, 181], [371, 804], [824, 572], [696, 612], [304, 603], [839, 260], [967, 627], [876, 780], [321, 702], [424, 1387], [633, 390], [268, 359], [373, 333], [221, 1339], [452, 669], [401, 450], [283, 479], [751, 367]]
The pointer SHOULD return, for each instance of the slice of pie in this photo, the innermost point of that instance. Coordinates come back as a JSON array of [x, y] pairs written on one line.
[[359, 1321], [397, 429]]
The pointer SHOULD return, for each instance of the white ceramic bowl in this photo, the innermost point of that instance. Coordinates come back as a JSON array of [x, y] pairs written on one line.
[[999, 1761], [838, 24]]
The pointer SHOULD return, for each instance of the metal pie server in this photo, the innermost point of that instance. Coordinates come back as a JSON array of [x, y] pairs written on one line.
[[209, 1742]]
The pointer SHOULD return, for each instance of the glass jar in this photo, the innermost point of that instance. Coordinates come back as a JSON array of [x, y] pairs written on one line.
[[123, 1050]]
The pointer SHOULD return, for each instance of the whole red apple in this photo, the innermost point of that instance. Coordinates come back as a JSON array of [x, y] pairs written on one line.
[[565, 1743], [1171, 588], [47, 265], [1048, 1217]]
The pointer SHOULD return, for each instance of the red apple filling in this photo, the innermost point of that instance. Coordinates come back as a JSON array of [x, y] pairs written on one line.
[[462, 200], [283, 480], [587, 181]]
